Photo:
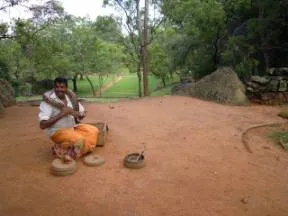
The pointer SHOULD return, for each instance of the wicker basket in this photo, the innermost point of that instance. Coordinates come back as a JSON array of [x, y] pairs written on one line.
[[103, 132]]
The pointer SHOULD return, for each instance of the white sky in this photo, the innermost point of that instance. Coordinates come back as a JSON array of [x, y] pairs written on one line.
[[82, 8], [92, 8]]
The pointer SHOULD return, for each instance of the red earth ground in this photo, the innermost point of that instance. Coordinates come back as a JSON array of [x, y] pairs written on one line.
[[196, 163]]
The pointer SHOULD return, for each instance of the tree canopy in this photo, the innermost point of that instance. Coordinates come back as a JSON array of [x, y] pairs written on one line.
[[184, 37]]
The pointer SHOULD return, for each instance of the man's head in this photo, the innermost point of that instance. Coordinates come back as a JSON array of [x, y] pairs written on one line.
[[60, 87]]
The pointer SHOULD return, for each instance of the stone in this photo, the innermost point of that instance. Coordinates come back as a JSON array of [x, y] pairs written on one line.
[[253, 85], [273, 85], [245, 200], [283, 71], [250, 89], [260, 80], [282, 86]]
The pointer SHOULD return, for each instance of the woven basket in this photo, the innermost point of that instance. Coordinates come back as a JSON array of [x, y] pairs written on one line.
[[103, 133]]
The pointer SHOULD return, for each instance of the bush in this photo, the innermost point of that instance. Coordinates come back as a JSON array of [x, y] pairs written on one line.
[[42, 86], [25, 89]]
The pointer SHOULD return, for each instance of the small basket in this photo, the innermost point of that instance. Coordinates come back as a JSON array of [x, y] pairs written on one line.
[[130, 161], [103, 132]]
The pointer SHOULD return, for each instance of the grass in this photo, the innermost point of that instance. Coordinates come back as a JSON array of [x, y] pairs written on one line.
[[84, 89], [283, 114], [128, 87], [281, 138]]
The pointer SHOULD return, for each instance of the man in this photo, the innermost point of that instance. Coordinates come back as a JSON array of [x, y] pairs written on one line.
[[71, 140]]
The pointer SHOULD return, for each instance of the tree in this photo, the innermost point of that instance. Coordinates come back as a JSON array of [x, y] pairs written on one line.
[[137, 41]]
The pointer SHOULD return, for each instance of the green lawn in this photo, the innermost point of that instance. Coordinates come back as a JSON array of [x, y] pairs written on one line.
[[84, 89], [128, 87]]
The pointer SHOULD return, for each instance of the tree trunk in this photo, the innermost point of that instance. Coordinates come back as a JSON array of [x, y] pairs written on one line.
[[74, 80], [163, 82], [140, 55], [139, 75], [266, 61], [81, 76], [216, 56], [145, 51], [91, 85], [100, 79]]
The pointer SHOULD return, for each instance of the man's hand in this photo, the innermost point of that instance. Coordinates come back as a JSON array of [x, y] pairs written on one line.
[[80, 115], [66, 111]]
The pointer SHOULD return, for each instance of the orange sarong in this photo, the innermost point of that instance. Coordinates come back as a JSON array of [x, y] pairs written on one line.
[[76, 141]]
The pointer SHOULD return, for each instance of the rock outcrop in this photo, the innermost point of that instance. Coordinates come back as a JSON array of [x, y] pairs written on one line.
[[270, 89]]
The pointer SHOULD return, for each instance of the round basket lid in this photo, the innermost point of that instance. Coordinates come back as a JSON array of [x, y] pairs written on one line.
[[94, 160], [59, 166]]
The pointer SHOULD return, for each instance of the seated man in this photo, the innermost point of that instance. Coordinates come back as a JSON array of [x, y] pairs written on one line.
[[59, 116]]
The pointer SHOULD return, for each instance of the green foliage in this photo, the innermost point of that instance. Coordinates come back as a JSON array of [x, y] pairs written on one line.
[[60, 46], [25, 89], [247, 35], [195, 38], [159, 62]]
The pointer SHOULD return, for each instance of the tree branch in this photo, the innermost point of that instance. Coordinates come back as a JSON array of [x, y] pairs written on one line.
[[6, 37], [153, 30]]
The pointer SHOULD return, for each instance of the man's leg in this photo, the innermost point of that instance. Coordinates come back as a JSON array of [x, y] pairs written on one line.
[[68, 143], [90, 134]]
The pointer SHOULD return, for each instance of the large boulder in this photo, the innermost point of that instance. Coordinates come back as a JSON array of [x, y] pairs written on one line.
[[221, 86], [6, 95]]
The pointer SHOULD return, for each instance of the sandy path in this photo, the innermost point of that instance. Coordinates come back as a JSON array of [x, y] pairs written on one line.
[[196, 164]]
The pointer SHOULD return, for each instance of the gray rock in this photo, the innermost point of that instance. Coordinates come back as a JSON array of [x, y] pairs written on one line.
[[250, 89], [278, 71], [260, 80], [273, 85], [282, 86]]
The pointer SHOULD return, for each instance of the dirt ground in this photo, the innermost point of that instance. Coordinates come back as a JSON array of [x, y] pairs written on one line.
[[196, 163]]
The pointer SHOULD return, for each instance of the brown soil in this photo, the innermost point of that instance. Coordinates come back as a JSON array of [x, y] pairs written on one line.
[[196, 163]]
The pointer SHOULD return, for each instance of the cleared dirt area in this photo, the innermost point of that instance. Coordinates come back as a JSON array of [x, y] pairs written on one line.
[[196, 163]]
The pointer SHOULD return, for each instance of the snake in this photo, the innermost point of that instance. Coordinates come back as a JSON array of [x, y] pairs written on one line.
[[73, 98], [244, 141]]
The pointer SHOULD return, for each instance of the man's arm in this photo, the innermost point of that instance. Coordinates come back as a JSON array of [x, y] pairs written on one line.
[[49, 122]]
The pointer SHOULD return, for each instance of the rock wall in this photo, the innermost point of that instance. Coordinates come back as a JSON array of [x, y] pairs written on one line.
[[271, 89]]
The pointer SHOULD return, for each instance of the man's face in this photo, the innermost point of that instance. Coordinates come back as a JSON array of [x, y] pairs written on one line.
[[60, 89]]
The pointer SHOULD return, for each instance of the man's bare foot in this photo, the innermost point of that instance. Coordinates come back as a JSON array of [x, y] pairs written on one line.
[[67, 159]]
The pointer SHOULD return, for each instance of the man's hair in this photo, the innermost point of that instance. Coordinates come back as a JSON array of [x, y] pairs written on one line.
[[61, 80]]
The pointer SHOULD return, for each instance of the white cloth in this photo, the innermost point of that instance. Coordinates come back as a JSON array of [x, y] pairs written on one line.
[[47, 111]]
